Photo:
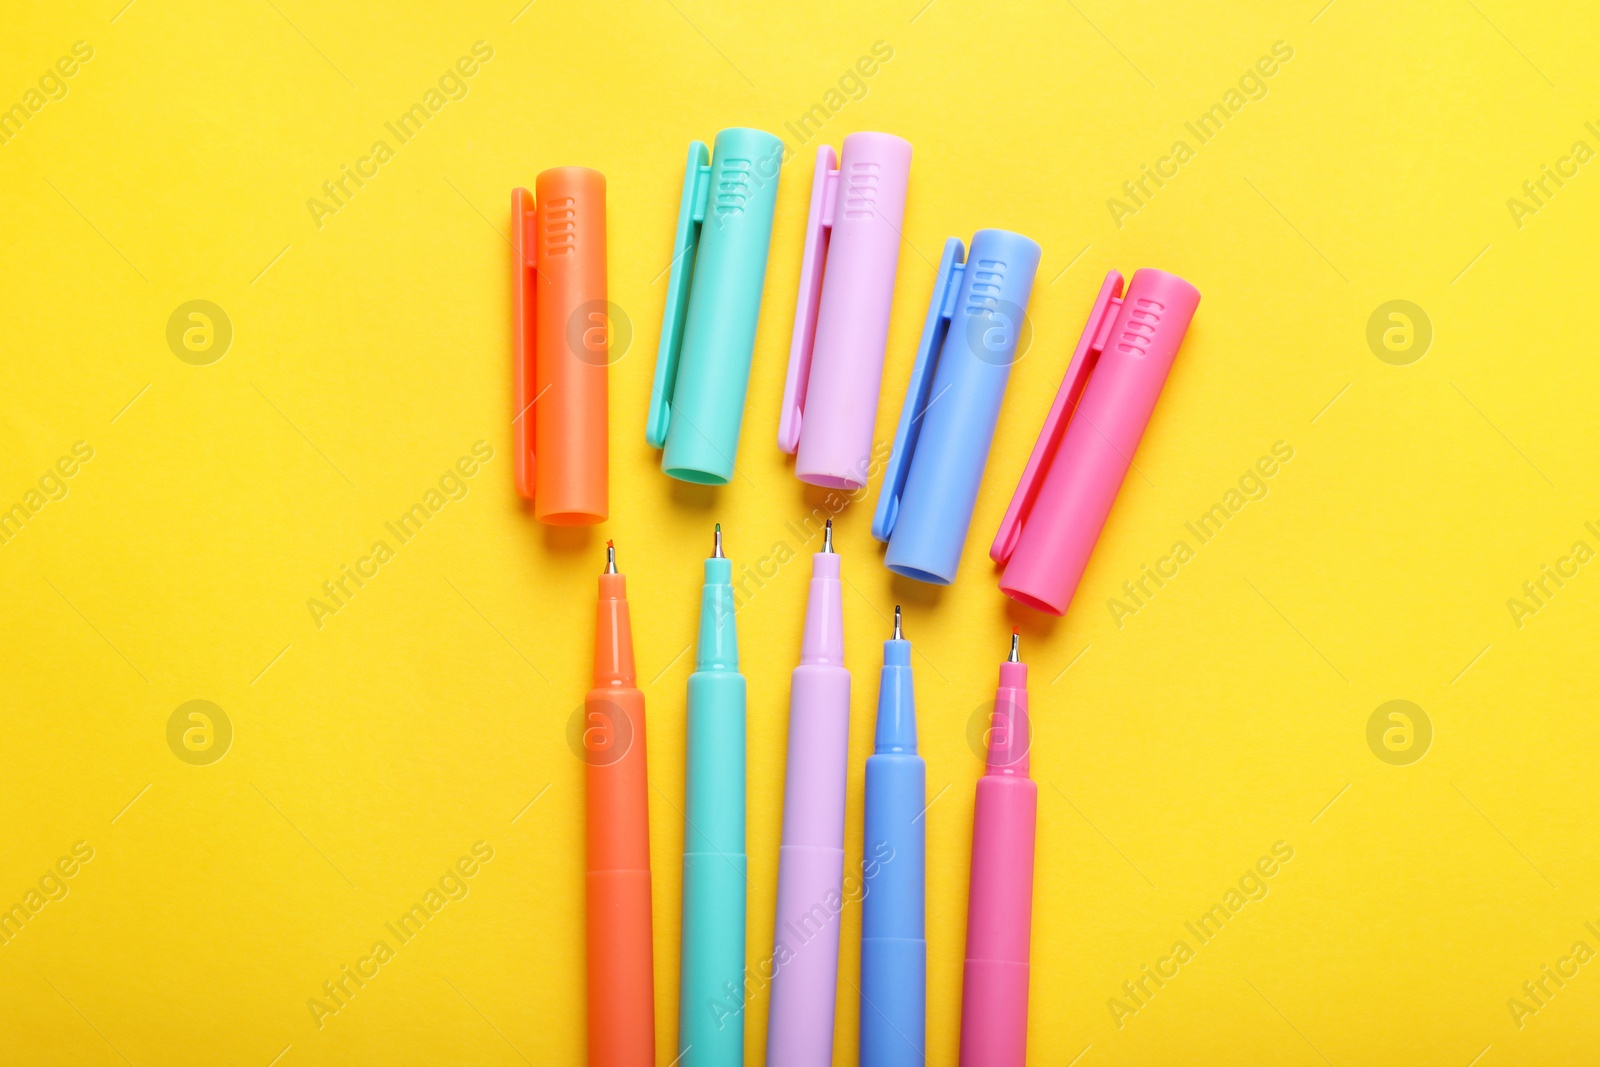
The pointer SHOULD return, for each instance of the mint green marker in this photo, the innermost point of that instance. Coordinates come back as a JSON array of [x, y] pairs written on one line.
[[711, 989], [708, 331]]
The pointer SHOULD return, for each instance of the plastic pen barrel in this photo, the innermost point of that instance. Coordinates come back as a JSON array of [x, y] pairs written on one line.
[[621, 989], [711, 999], [842, 317], [987, 320], [994, 991], [562, 329], [811, 856], [719, 330], [894, 949]]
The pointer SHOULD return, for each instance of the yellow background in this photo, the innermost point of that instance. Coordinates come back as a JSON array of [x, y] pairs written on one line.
[[1228, 714]]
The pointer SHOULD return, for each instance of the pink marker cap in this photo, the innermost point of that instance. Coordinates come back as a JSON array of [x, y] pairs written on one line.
[[841, 320], [1089, 438]]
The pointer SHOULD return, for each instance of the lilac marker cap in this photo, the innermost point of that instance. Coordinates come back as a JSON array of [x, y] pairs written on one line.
[[841, 320]]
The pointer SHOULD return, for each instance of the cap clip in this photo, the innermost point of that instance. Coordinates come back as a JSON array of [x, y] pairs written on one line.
[[941, 306], [524, 260], [819, 227], [691, 214], [1084, 360]]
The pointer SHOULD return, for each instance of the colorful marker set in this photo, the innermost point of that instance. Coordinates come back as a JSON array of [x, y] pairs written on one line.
[[975, 324]]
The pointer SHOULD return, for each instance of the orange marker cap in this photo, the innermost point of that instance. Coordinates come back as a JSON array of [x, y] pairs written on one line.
[[561, 346]]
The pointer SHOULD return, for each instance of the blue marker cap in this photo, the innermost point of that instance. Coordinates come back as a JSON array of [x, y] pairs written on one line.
[[976, 318]]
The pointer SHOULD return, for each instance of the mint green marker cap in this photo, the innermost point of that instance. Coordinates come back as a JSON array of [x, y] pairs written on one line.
[[708, 331]]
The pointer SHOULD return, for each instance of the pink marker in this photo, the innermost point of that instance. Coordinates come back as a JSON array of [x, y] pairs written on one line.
[[1109, 392], [994, 981], [841, 320], [805, 949]]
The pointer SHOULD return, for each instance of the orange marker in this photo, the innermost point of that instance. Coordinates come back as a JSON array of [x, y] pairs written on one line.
[[560, 334], [622, 1021]]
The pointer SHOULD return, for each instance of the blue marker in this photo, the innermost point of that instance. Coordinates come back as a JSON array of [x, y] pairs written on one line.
[[894, 948]]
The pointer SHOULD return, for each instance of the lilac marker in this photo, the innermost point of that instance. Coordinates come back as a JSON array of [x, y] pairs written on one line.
[[805, 949]]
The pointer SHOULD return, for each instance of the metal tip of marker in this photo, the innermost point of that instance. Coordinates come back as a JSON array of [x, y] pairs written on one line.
[[1016, 639], [827, 536], [611, 557], [897, 636], [716, 543]]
